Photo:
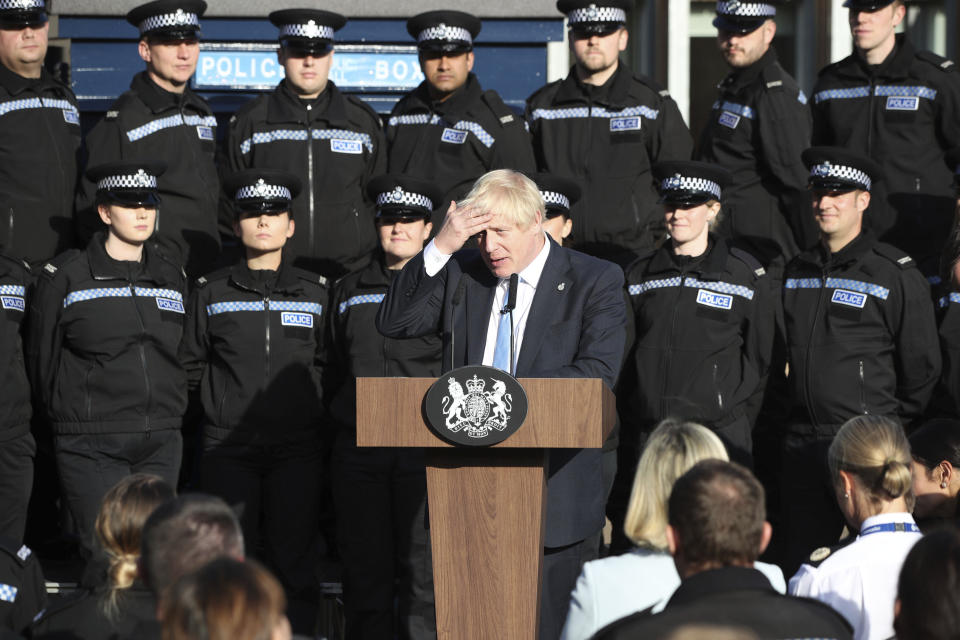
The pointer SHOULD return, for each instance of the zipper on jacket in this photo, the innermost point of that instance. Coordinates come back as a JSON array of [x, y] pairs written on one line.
[[86, 391], [863, 390], [10, 227], [717, 387], [664, 410], [56, 147], [143, 358], [266, 364], [808, 397], [311, 237], [871, 99]]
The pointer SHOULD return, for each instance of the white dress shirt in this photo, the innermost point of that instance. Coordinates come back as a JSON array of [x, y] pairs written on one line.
[[529, 278]]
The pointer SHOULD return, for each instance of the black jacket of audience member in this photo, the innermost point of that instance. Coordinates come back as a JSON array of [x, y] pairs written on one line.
[[733, 597], [102, 342], [255, 344], [80, 616], [14, 389], [23, 593]]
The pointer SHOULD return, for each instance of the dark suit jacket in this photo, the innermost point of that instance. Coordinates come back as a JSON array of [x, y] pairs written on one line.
[[575, 329], [733, 597]]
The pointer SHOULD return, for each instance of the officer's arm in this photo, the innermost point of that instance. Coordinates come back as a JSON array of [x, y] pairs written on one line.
[[44, 337], [671, 139], [104, 145], [759, 332], [414, 303], [948, 109], [512, 149], [822, 129], [917, 346], [194, 352], [337, 370]]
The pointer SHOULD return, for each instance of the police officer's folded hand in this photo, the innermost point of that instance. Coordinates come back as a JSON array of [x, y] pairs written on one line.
[[459, 225]]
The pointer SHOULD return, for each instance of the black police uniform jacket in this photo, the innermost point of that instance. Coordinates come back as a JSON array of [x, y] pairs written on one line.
[[254, 343], [102, 342], [39, 141], [360, 350], [905, 113], [179, 130], [23, 593], [946, 400], [704, 329], [861, 334], [334, 145], [758, 127], [81, 615], [15, 410], [454, 142], [608, 138]]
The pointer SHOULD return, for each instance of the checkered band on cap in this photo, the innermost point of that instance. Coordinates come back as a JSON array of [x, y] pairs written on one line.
[[179, 19], [593, 13], [445, 32], [695, 185], [399, 196], [839, 171], [139, 180], [556, 199], [263, 191], [21, 5], [308, 30], [743, 9]]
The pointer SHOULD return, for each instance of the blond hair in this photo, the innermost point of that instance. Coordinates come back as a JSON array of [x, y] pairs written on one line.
[[672, 449], [875, 450], [509, 194]]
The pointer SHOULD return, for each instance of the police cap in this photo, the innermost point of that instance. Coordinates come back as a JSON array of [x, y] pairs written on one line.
[[867, 5], [168, 19], [744, 16], [307, 31], [952, 158], [262, 190], [444, 31], [400, 196], [19, 14], [130, 183], [588, 17], [689, 183], [559, 194], [839, 169]]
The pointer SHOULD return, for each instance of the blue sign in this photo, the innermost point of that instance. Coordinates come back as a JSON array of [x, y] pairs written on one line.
[[355, 67]]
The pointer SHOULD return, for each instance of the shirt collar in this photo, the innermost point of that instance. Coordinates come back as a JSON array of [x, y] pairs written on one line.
[[886, 518], [532, 272]]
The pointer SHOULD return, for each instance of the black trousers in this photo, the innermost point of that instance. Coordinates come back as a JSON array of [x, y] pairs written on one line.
[[380, 500], [16, 481], [90, 464], [561, 568]]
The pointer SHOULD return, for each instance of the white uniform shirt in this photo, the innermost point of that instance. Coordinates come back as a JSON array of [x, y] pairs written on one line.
[[860, 579]]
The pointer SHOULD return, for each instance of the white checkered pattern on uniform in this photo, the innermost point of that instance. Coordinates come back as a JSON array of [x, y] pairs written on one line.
[[745, 9], [720, 287], [179, 19], [36, 103], [8, 592], [416, 118], [554, 198], [463, 125], [12, 290], [595, 112], [445, 32], [257, 305], [841, 94], [733, 107], [953, 298], [266, 137], [650, 285], [119, 292], [842, 172], [170, 121], [887, 90], [369, 298], [874, 290], [683, 183], [309, 30], [399, 196]]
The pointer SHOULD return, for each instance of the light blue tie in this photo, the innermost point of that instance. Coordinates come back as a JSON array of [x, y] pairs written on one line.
[[501, 352]]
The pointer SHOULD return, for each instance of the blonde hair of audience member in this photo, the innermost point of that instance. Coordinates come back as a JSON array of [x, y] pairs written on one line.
[[508, 194], [226, 599], [671, 450], [123, 511], [870, 463]]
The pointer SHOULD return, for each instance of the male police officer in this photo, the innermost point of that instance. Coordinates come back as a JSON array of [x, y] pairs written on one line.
[[162, 119], [860, 336], [39, 139], [330, 141], [606, 127], [449, 130], [892, 102], [559, 195], [759, 125]]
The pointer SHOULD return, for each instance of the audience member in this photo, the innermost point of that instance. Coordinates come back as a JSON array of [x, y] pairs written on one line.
[[935, 448], [927, 606]]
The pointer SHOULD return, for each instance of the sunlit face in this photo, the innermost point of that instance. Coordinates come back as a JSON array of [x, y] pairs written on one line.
[[264, 232], [871, 29], [132, 225], [507, 248], [597, 53], [307, 75], [170, 63], [689, 224], [22, 50], [840, 214], [445, 73], [926, 486], [743, 50], [558, 227], [403, 237]]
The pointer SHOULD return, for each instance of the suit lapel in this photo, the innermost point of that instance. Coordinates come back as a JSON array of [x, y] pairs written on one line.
[[549, 297], [479, 299]]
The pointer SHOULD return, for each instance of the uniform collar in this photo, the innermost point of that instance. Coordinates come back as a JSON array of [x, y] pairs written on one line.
[[158, 99], [717, 581], [287, 281], [896, 65], [103, 267], [886, 518], [613, 92], [459, 103], [14, 83], [375, 274], [285, 106], [739, 78], [711, 262]]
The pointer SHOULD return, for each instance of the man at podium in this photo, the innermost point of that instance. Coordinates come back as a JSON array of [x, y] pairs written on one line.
[[568, 321]]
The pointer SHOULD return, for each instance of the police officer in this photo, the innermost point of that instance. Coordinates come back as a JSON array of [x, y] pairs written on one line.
[[380, 494], [947, 295], [890, 101], [254, 344], [161, 118], [606, 127], [105, 324], [17, 445], [704, 316], [559, 195], [330, 141], [759, 125], [23, 592], [39, 139], [861, 338], [449, 130]]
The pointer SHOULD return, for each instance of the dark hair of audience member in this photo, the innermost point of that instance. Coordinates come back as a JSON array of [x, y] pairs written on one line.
[[226, 599], [184, 534], [123, 512], [928, 607], [875, 451], [717, 512], [936, 440], [950, 255]]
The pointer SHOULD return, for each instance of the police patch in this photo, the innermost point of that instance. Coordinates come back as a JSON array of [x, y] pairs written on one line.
[[13, 302], [453, 136], [715, 300], [71, 116], [291, 319], [729, 120], [903, 103], [346, 146], [625, 124], [166, 304], [8, 592], [204, 132], [849, 298]]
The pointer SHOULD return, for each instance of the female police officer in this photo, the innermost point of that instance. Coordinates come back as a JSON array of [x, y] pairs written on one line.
[[102, 348], [704, 316]]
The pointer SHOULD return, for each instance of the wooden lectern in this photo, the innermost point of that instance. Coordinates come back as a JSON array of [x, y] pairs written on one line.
[[487, 505]]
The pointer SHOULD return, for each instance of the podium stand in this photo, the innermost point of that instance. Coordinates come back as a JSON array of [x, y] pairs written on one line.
[[487, 505]]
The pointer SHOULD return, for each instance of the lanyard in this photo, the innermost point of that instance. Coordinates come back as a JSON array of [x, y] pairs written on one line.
[[905, 527]]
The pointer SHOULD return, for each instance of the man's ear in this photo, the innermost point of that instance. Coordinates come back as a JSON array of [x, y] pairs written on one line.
[[144, 50], [673, 542], [765, 538], [469, 60]]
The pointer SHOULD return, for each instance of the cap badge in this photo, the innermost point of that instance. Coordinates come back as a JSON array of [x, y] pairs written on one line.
[[593, 14], [673, 182], [561, 286], [141, 179], [822, 170], [180, 17], [733, 5], [396, 195], [261, 188]]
